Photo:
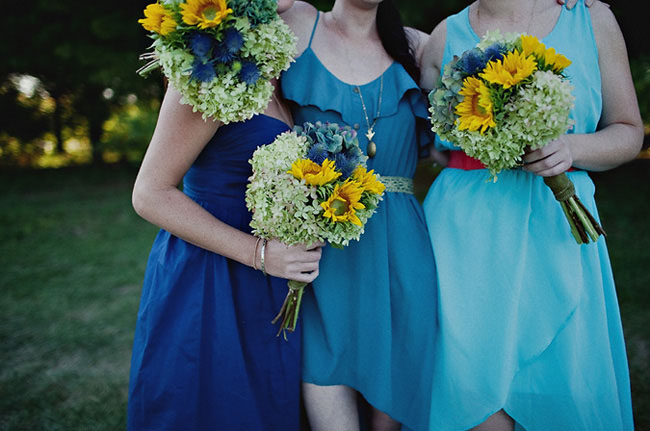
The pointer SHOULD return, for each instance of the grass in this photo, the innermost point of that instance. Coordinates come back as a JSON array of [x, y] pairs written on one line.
[[73, 254]]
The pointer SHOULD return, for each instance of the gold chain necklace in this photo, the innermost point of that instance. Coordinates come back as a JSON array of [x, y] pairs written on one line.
[[372, 147], [478, 17]]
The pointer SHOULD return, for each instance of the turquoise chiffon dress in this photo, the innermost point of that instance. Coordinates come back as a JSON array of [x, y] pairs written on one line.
[[529, 320], [206, 356], [369, 318]]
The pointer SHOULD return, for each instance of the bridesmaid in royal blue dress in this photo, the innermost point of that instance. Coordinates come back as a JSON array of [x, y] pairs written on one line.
[[369, 318], [206, 356], [530, 332]]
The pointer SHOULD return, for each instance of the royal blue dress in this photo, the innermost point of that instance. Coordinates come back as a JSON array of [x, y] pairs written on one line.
[[369, 318], [529, 320], [206, 356]]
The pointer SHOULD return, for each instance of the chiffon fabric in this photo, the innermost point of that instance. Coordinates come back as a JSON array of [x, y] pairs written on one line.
[[369, 317], [205, 355], [529, 320]]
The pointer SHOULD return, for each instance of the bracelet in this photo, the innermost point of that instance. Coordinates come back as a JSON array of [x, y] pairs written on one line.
[[263, 268], [257, 243]]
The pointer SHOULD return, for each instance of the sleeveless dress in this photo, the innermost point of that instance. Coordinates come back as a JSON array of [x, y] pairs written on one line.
[[369, 318], [205, 355], [529, 320]]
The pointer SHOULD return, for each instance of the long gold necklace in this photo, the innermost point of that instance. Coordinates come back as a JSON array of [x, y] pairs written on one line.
[[370, 134], [372, 147]]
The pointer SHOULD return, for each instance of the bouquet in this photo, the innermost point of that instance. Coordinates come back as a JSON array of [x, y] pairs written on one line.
[[503, 96], [220, 54], [311, 184]]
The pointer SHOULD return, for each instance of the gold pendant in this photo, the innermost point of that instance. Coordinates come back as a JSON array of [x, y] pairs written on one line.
[[372, 149]]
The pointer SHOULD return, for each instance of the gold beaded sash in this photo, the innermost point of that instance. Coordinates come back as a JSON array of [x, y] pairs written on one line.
[[397, 184]]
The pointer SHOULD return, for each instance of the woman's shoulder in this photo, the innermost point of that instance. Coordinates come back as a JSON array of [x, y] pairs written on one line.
[[300, 18]]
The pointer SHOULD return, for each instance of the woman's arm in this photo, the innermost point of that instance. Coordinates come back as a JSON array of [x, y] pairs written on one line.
[[300, 18], [178, 139], [620, 132]]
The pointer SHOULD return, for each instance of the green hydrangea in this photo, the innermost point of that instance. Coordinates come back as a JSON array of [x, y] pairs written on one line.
[[266, 42], [535, 112], [288, 209]]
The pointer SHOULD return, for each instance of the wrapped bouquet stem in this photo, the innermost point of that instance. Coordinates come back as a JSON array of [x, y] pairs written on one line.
[[504, 96], [311, 185], [291, 306], [584, 226]]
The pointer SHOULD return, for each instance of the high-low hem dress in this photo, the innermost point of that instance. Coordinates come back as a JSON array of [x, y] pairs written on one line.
[[206, 356], [369, 318], [529, 320]]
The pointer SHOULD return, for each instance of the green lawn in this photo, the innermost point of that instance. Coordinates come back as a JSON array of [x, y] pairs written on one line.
[[72, 257]]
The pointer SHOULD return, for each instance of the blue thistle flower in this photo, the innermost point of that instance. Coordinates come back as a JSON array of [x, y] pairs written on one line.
[[233, 40], [200, 45], [203, 72], [344, 165], [249, 72], [318, 153], [221, 54], [471, 62], [494, 52]]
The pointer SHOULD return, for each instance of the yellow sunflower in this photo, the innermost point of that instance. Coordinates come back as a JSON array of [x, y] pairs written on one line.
[[343, 203], [530, 45], [314, 174], [158, 19], [514, 68], [204, 13], [368, 180], [475, 110]]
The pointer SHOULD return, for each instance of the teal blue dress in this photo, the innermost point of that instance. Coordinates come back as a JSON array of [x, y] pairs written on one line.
[[529, 320], [369, 318]]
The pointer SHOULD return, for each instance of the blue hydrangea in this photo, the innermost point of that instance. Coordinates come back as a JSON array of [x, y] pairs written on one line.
[[203, 72], [318, 153], [201, 45], [249, 72]]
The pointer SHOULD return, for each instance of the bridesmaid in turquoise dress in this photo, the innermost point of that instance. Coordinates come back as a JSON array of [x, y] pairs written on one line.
[[205, 355], [530, 334], [369, 317]]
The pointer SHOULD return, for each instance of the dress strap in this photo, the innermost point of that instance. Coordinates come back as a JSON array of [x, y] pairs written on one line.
[[314, 29]]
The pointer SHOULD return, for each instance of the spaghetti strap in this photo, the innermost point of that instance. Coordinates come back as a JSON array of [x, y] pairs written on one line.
[[314, 29]]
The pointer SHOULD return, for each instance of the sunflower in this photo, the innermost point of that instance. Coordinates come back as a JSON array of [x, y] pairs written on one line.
[[204, 13], [530, 45], [158, 19], [314, 174], [475, 110], [514, 68], [343, 203], [368, 180]]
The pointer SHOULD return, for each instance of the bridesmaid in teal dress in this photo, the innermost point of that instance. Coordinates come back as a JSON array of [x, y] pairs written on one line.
[[369, 318], [530, 333]]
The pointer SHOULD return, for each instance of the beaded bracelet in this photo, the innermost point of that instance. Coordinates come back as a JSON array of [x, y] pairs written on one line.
[[262, 257]]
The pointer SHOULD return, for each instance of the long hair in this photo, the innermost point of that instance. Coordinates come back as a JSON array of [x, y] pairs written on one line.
[[394, 39]]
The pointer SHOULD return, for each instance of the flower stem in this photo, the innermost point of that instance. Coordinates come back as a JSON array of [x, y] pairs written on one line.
[[290, 308]]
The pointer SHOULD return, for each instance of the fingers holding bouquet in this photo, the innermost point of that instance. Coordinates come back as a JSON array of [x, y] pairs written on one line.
[[552, 159], [293, 262]]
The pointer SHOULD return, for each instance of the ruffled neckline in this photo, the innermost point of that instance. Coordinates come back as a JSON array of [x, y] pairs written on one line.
[[327, 92]]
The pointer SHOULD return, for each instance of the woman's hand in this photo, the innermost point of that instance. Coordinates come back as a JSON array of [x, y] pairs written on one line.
[[296, 262], [552, 159]]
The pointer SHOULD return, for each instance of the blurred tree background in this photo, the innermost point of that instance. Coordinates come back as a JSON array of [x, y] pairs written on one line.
[[69, 93], [75, 120]]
